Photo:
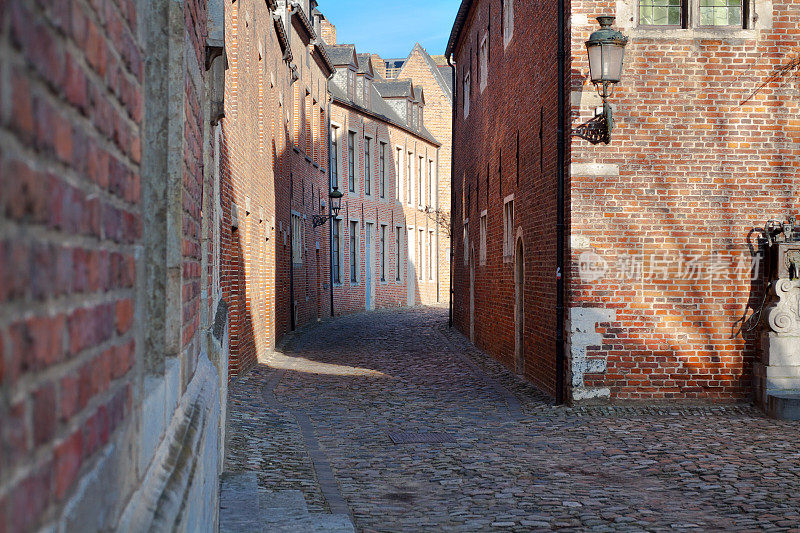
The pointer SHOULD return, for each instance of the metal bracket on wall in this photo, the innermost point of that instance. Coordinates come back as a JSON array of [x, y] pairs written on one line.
[[595, 131]]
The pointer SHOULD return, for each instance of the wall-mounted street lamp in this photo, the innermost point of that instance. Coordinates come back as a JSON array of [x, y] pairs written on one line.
[[606, 48], [336, 206]]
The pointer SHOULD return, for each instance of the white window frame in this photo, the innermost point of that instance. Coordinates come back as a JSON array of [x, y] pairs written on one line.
[[337, 237], [384, 234], [354, 162], [466, 241], [336, 129], [508, 227], [383, 149], [420, 180], [483, 231], [508, 21], [398, 173], [354, 251], [431, 255], [421, 250], [297, 238], [483, 73], [431, 185], [368, 167], [467, 93], [398, 244], [410, 178]]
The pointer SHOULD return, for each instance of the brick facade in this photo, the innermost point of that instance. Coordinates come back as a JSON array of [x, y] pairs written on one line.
[[373, 204], [103, 347], [704, 151], [436, 79], [504, 148], [274, 167]]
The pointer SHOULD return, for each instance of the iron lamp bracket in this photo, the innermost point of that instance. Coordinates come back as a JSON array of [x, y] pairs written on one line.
[[598, 129]]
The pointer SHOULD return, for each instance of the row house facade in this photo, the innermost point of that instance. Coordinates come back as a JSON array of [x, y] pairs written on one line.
[[659, 291], [387, 242], [274, 168]]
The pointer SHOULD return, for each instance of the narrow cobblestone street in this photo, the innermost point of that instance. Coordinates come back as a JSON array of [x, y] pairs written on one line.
[[318, 416]]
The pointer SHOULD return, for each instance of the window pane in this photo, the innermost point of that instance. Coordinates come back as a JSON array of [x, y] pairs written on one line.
[[721, 12], [660, 12]]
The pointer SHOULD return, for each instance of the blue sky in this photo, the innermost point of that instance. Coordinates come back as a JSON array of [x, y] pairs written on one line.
[[391, 28]]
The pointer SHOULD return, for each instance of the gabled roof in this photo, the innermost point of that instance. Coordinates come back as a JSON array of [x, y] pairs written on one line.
[[395, 88], [342, 54], [365, 65], [443, 77]]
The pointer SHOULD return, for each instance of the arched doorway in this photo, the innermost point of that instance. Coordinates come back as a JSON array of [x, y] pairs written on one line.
[[519, 307]]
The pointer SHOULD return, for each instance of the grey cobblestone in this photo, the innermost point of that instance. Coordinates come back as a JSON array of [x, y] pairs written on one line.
[[512, 468]]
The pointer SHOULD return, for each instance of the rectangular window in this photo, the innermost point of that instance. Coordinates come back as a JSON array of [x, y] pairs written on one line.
[[336, 248], [421, 257], [431, 255], [467, 94], [351, 161], [466, 242], [354, 254], [398, 249], [383, 252], [482, 256], [297, 239], [398, 167], [367, 166], [508, 228], [409, 178], [382, 170], [663, 12], [484, 64], [334, 156], [431, 195], [421, 181], [508, 21], [721, 12]]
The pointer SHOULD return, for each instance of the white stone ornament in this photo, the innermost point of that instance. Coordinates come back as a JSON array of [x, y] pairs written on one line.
[[784, 315]]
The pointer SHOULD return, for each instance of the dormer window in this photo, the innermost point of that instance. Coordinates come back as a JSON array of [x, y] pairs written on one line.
[[367, 92]]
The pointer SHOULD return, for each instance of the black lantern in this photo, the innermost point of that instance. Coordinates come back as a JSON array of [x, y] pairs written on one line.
[[335, 197], [606, 49], [336, 201]]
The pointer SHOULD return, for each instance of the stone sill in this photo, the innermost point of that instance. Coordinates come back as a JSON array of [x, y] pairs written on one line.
[[715, 34]]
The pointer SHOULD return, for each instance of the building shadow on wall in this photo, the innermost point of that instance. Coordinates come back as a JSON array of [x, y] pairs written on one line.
[[276, 267]]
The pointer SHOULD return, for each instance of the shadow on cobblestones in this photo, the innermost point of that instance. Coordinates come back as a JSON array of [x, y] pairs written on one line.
[[518, 463]]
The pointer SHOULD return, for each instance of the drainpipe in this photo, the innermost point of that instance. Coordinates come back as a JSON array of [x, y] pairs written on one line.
[[452, 181], [330, 208], [560, 215], [291, 248]]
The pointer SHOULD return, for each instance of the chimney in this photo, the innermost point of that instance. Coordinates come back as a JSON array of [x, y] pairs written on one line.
[[378, 65], [328, 32]]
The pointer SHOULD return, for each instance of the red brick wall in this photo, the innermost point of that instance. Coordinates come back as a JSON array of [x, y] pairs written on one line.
[[69, 226], [700, 165], [438, 116], [268, 170], [521, 88], [350, 296]]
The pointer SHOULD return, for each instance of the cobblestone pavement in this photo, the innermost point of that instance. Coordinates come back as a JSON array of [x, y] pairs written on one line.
[[317, 416]]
